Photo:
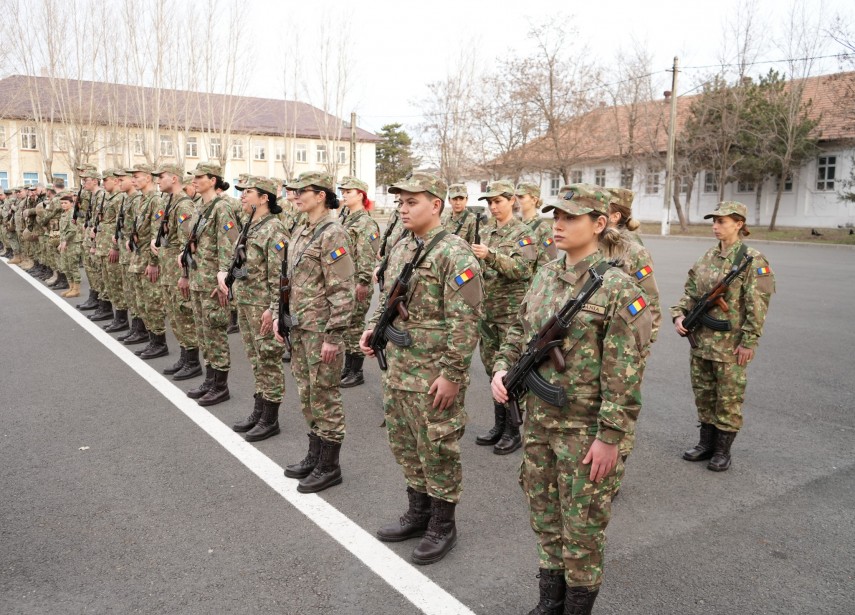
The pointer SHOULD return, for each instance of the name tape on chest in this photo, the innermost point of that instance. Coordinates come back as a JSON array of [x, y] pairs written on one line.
[[464, 277], [636, 307], [764, 271], [596, 309], [338, 253], [643, 272]]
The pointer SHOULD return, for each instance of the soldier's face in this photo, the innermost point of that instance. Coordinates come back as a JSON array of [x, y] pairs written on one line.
[[576, 233], [65, 204], [351, 197], [203, 183], [726, 228], [110, 183], [419, 210], [501, 207], [458, 204], [126, 183], [249, 198], [141, 180]]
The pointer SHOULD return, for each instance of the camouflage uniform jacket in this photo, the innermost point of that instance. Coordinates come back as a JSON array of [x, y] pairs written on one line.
[[108, 212], [364, 237], [143, 222], [507, 268], [604, 348], [131, 206], [289, 214], [265, 246], [450, 221], [541, 232], [747, 299], [444, 304], [216, 233], [638, 263], [177, 212], [321, 274], [69, 231], [49, 214]]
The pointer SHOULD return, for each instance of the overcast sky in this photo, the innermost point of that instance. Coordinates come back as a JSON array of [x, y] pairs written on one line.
[[399, 46]]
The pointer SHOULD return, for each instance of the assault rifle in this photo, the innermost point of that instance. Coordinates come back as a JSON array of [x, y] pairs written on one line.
[[699, 314], [76, 214], [381, 270], [237, 270], [133, 240], [395, 306], [478, 227], [187, 260], [120, 222], [285, 321], [546, 343], [163, 230]]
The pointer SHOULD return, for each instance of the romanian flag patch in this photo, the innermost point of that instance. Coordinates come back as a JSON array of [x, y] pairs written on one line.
[[228, 226], [464, 277], [159, 214], [337, 254], [278, 247], [183, 217], [644, 272], [637, 306], [763, 271], [525, 242], [548, 242], [374, 236]]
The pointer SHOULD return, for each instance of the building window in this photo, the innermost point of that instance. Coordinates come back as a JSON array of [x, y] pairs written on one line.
[[167, 145], [4, 180], [28, 138], [321, 154], [484, 185], [788, 183], [191, 147], [31, 179], [825, 172], [684, 185], [2, 137], [139, 144], [216, 149], [342, 154], [259, 152], [301, 154], [710, 182], [744, 186], [63, 177], [60, 140], [280, 153], [651, 182], [554, 185], [237, 149], [600, 177], [575, 177], [626, 178]]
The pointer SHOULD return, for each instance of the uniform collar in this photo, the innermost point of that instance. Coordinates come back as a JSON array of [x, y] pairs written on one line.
[[574, 273]]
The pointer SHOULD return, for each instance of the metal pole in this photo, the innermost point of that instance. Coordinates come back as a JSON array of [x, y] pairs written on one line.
[[353, 144], [669, 164]]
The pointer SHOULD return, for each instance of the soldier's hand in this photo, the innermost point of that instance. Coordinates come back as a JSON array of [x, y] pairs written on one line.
[[363, 343], [480, 250], [222, 298], [329, 352], [278, 337], [743, 355], [152, 272], [443, 391], [497, 386], [184, 287], [221, 282], [678, 325], [128, 246], [63, 246], [154, 249], [362, 292], [603, 458], [266, 322], [113, 255]]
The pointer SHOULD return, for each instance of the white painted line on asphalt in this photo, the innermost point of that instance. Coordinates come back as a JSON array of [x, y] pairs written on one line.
[[429, 597]]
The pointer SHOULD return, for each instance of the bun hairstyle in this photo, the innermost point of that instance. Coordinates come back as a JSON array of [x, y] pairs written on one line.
[[743, 232], [220, 183], [626, 219], [271, 201], [331, 200]]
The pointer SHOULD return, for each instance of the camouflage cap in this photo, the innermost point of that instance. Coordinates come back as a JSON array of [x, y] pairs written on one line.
[[207, 168], [141, 168], [173, 168], [528, 188], [729, 208], [85, 166], [290, 185], [114, 173], [622, 196], [352, 183], [421, 182], [580, 199], [497, 188], [314, 178], [88, 170], [457, 190], [259, 183], [9, 191], [186, 181]]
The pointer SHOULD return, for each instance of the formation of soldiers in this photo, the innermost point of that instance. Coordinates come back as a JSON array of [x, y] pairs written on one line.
[[294, 267]]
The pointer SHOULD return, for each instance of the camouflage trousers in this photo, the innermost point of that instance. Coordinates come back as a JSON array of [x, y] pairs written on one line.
[[212, 320], [356, 327], [149, 302], [317, 383], [113, 287], [719, 392], [12, 241], [568, 512], [426, 442], [92, 267], [70, 261], [178, 309], [492, 334], [128, 281], [264, 353]]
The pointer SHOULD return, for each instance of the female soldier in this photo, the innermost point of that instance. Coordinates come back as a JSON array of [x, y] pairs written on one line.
[[528, 197], [571, 466], [70, 247], [719, 360], [255, 294], [508, 256], [364, 237], [459, 220], [321, 274], [211, 240]]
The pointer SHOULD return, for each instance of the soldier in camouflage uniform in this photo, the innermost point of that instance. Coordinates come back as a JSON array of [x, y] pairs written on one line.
[[364, 237], [256, 294], [720, 360], [424, 388], [322, 294], [124, 220], [458, 219], [571, 464], [50, 220], [10, 238], [89, 198], [290, 213], [508, 254], [528, 197], [107, 248], [22, 230], [71, 244]]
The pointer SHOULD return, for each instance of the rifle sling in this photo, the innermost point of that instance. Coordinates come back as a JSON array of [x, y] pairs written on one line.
[[462, 220], [309, 243]]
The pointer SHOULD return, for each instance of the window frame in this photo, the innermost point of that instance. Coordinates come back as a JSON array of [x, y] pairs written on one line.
[[301, 153], [25, 133], [554, 185], [577, 177], [823, 182], [170, 141], [259, 148], [321, 153], [188, 142], [237, 149], [710, 180], [600, 178], [653, 187], [341, 154], [31, 179], [215, 148]]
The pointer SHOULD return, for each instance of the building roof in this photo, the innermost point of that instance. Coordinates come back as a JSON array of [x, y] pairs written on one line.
[[126, 105]]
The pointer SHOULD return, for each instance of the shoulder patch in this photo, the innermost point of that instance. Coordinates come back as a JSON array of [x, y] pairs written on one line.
[[464, 277], [637, 306], [374, 236], [643, 272], [279, 246], [228, 226], [763, 271], [525, 242], [548, 242], [158, 215], [338, 253], [183, 217]]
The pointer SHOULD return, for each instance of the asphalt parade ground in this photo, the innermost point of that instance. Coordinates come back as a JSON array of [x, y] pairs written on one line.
[[118, 494]]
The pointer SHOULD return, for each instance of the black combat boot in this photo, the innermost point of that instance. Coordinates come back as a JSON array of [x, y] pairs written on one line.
[[233, 323], [53, 280], [348, 359], [206, 385], [140, 336], [413, 523], [219, 391], [579, 600], [132, 330], [176, 367], [120, 322], [704, 448], [104, 312], [510, 440], [191, 368], [354, 377], [61, 283], [150, 338], [440, 536], [721, 454], [303, 468], [157, 348], [91, 302], [250, 421], [552, 588], [328, 471], [267, 425], [495, 434], [42, 272]]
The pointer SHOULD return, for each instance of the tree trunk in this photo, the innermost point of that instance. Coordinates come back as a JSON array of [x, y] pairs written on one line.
[[676, 196], [781, 182], [757, 203]]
